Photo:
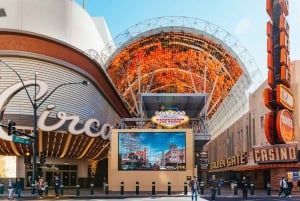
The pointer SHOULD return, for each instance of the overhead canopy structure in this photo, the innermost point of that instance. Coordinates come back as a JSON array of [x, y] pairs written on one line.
[[179, 56], [190, 103]]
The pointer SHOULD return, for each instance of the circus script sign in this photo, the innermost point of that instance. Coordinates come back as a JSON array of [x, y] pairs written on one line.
[[5, 96]]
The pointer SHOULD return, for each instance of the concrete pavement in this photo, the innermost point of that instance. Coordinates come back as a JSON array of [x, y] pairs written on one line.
[[99, 194]]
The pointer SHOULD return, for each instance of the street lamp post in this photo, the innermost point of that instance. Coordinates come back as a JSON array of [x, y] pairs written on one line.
[[35, 107]]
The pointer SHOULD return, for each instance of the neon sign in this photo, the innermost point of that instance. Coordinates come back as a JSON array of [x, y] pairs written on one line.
[[10, 92]]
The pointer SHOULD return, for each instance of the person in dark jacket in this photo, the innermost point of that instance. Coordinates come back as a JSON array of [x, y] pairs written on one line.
[[194, 185], [290, 187], [19, 187], [245, 186], [213, 185], [57, 186]]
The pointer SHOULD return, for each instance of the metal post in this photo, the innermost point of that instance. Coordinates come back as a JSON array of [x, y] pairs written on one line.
[[268, 188], [153, 187], [46, 188], [92, 189], [185, 188], [122, 188], [235, 188], [169, 188], [77, 189], [34, 140], [251, 188], [202, 188], [1, 188], [137, 188], [106, 188], [62, 189]]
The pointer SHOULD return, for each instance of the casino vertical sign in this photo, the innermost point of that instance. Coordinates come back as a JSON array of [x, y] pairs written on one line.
[[279, 126]]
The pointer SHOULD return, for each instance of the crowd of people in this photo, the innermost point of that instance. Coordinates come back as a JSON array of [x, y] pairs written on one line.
[[17, 187], [286, 187]]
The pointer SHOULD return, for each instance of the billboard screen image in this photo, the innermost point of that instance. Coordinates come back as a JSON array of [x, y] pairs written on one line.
[[153, 151]]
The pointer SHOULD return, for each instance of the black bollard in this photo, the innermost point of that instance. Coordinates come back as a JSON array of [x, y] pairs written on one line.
[[106, 188], [137, 187], [61, 189], [219, 189], [169, 188], [185, 188], [251, 188], [33, 188], [46, 189], [202, 188], [235, 188], [77, 189], [153, 187], [1, 188], [122, 188], [92, 189], [268, 188]]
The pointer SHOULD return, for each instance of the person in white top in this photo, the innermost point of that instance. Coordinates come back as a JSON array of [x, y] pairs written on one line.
[[283, 186], [10, 189]]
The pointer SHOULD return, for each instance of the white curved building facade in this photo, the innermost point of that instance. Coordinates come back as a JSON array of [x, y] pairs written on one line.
[[57, 43]]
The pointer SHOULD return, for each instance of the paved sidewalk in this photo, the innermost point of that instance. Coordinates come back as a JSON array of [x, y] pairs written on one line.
[[87, 193]]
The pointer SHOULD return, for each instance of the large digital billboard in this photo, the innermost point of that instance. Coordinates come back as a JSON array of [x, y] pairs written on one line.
[[153, 151]]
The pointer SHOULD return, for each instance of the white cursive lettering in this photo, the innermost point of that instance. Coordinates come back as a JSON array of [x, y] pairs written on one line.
[[104, 131]]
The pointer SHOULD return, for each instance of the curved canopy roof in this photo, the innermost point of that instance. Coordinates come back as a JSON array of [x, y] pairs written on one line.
[[180, 55]]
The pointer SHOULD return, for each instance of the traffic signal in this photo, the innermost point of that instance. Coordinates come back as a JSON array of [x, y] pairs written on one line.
[[11, 127], [27, 158], [42, 157]]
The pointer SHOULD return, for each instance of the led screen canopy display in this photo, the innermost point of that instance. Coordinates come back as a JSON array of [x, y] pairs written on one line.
[[153, 151]]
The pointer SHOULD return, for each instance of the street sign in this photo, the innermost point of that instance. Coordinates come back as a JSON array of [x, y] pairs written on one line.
[[21, 140]]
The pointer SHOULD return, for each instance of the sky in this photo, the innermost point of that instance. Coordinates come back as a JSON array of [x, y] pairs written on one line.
[[244, 19]]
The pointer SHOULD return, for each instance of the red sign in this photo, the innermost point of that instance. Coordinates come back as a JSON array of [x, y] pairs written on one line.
[[285, 126]]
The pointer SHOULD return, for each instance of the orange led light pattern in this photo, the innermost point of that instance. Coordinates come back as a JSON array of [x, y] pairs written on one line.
[[174, 62]]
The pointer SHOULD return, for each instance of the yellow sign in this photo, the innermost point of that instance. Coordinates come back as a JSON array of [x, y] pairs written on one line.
[[170, 118]]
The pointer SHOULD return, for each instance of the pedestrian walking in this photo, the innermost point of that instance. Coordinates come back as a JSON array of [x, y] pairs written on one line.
[[194, 185], [282, 187], [213, 185], [19, 187], [245, 186], [41, 187], [290, 188], [57, 184], [10, 188]]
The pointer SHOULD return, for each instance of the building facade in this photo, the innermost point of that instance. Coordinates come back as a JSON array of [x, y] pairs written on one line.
[[261, 162]]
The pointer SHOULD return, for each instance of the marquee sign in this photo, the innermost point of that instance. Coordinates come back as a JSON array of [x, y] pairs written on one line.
[[283, 153], [284, 97], [8, 93], [285, 126], [238, 159], [170, 118], [278, 97]]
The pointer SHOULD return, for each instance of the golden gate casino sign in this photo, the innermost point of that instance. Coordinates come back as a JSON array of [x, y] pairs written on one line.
[[279, 126]]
